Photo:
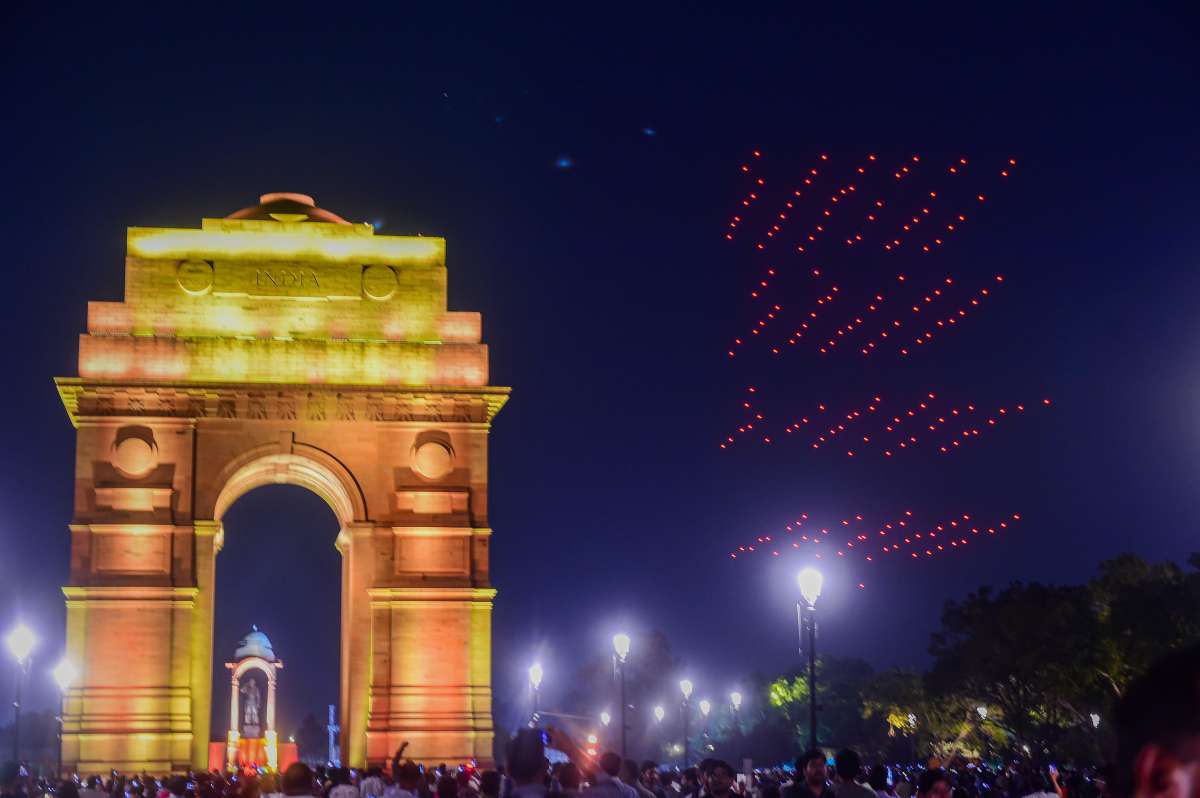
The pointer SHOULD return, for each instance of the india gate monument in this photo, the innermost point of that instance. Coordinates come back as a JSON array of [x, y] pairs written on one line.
[[279, 344]]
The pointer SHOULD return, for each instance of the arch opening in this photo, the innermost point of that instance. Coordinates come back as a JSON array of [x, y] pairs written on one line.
[[280, 570], [338, 490]]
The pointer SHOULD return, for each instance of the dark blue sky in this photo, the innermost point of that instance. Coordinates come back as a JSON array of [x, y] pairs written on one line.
[[609, 296]]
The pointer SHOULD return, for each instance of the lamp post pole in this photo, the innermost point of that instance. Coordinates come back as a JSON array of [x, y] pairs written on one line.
[[17, 714], [685, 686], [621, 652], [535, 683], [735, 701], [810, 581], [21, 641], [812, 678]]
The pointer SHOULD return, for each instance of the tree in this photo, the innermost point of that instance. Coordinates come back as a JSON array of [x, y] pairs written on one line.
[[312, 740], [839, 698], [945, 726], [1032, 651], [1143, 610]]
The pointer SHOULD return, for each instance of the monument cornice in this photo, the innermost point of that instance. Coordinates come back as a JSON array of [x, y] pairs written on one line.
[[92, 399]]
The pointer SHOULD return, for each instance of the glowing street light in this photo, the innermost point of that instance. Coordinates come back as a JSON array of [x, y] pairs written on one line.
[[620, 643], [735, 698], [810, 581], [705, 707], [685, 687], [605, 718], [21, 642], [1095, 718], [65, 673], [659, 713]]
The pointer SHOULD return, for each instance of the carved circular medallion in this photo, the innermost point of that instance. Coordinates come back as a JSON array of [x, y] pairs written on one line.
[[433, 460], [379, 282], [135, 457], [195, 277]]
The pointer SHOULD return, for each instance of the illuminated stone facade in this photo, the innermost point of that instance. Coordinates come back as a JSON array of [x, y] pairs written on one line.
[[280, 345]]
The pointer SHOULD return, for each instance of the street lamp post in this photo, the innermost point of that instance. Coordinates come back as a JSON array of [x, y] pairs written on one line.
[[810, 581], [735, 701], [535, 682], [621, 651], [705, 708], [21, 641], [65, 673], [685, 687]]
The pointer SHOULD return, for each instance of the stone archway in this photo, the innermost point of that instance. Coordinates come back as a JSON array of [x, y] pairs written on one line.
[[279, 344]]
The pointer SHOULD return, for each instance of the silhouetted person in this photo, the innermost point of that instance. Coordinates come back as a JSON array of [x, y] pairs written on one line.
[[812, 780], [934, 783], [846, 767], [489, 784], [1158, 730], [721, 778], [10, 781], [297, 779], [527, 764]]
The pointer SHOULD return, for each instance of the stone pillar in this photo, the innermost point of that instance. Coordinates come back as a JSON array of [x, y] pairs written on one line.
[[128, 711], [432, 689], [208, 539], [356, 544]]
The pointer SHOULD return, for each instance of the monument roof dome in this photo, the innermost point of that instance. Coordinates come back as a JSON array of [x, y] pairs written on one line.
[[287, 206], [255, 644]]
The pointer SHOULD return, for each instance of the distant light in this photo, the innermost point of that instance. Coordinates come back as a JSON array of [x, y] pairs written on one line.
[[810, 581], [21, 642], [592, 739], [677, 748], [621, 645], [705, 707], [659, 713], [377, 224], [649, 131], [605, 718], [65, 673], [564, 162], [1095, 716], [912, 720], [685, 686], [535, 675], [735, 698], [983, 711]]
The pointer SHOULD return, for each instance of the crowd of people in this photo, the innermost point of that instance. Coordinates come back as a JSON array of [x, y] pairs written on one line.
[[1157, 756]]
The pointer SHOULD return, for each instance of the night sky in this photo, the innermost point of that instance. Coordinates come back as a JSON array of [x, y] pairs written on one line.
[[582, 163]]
